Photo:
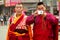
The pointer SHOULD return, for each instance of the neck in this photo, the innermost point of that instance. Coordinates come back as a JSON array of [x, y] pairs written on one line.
[[18, 14]]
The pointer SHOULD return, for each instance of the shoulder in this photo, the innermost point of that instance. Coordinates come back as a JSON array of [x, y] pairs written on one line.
[[25, 16], [50, 15], [10, 19]]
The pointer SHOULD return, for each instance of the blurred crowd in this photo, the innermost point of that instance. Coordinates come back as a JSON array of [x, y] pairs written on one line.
[[3, 19]]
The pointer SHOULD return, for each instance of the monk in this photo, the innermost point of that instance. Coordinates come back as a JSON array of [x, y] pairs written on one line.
[[45, 24], [17, 26]]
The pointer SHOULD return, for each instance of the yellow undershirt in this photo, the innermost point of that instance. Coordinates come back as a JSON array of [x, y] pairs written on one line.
[[15, 19]]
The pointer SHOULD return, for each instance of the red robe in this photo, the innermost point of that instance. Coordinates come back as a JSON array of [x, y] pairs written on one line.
[[12, 27], [44, 28]]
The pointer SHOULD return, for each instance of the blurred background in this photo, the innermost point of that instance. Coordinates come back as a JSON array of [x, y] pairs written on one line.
[[7, 9]]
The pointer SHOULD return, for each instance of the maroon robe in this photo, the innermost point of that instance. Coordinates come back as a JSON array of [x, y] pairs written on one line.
[[12, 27], [44, 28]]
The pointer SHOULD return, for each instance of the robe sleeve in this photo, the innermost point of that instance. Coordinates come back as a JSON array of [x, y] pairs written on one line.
[[30, 20], [9, 33], [54, 22]]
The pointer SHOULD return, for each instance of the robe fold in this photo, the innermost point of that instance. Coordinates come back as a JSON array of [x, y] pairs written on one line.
[[44, 28], [15, 23]]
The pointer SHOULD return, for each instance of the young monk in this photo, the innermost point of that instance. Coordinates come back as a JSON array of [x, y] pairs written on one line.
[[17, 26], [45, 24]]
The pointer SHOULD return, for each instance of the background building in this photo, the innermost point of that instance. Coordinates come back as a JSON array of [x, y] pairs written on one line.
[[1, 6], [30, 6]]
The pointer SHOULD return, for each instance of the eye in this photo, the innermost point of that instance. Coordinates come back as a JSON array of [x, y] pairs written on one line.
[[18, 7], [41, 7]]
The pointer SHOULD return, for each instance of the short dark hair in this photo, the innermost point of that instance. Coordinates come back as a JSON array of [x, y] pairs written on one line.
[[40, 3], [18, 4]]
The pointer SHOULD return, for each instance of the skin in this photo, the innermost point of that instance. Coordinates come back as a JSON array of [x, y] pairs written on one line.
[[40, 7], [18, 9]]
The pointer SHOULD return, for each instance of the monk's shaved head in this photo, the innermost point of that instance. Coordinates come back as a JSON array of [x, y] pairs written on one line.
[[19, 8], [19, 4]]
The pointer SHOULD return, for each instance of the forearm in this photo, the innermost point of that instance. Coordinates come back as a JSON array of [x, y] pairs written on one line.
[[16, 33]]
